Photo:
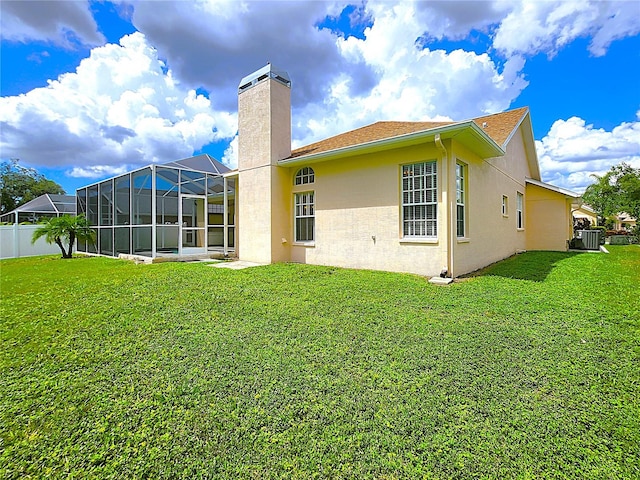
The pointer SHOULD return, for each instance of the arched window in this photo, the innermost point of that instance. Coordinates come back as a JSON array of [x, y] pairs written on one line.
[[304, 175]]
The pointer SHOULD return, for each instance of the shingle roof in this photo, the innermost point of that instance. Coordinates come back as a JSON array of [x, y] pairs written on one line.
[[498, 126]]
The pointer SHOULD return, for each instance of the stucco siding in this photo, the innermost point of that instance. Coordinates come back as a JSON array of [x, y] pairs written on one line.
[[264, 137], [548, 219], [490, 235], [254, 213], [358, 215]]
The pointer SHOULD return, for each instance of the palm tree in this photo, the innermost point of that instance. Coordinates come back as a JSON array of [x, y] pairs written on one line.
[[64, 229]]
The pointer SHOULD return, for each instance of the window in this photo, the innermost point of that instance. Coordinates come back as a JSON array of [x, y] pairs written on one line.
[[419, 200], [460, 199], [519, 213], [304, 217], [305, 175], [505, 206]]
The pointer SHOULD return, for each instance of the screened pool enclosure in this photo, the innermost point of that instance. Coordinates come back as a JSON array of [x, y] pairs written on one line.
[[40, 208], [186, 207]]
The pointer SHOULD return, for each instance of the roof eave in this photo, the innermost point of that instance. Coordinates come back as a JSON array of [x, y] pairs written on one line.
[[467, 133], [553, 188]]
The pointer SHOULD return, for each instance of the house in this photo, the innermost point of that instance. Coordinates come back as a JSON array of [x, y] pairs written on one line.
[[45, 206], [17, 226], [418, 197], [584, 217], [624, 221]]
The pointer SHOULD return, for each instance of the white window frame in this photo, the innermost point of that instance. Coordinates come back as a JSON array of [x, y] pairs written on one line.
[[505, 206], [419, 190], [304, 176], [461, 192], [304, 209], [519, 211]]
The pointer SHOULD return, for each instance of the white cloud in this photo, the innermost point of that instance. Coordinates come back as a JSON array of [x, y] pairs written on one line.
[[572, 151], [215, 44], [124, 106], [119, 107], [412, 83], [455, 19], [97, 171], [230, 157], [547, 26], [61, 22]]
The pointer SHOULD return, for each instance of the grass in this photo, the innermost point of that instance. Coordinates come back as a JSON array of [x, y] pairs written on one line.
[[113, 370]]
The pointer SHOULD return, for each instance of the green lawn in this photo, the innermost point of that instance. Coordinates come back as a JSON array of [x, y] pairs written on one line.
[[114, 370]]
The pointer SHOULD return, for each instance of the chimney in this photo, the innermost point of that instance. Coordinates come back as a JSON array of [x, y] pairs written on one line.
[[264, 137], [264, 118]]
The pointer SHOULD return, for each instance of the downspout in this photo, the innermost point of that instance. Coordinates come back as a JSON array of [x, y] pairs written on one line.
[[448, 205]]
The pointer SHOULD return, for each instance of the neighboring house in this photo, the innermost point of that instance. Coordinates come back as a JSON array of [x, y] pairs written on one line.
[[624, 221], [44, 206], [19, 225], [417, 197], [585, 214]]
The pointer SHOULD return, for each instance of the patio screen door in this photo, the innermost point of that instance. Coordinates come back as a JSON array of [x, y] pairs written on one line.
[[193, 225]]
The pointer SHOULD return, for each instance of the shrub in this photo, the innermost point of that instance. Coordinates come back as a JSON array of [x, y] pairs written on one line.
[[619, 240]]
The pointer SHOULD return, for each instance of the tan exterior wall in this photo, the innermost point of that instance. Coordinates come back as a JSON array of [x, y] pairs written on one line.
[[490, 235], [281, 215], [548, 219], [358, 218], [264, 137]]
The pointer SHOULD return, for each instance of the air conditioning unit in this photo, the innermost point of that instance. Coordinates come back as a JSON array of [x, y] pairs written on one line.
[[590, 239]]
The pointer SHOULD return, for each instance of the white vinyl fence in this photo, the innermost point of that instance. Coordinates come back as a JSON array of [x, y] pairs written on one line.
[[15, 241]]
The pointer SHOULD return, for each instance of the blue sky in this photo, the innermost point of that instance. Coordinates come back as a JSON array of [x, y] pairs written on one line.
[[93, 89]]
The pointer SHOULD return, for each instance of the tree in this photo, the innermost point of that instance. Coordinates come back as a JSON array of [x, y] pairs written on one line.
[[616, 191], [64, 229], [19, 185]]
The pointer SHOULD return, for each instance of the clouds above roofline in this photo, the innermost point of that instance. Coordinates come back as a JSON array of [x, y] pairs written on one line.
[[122, 105], [572, 151], [135, 102]]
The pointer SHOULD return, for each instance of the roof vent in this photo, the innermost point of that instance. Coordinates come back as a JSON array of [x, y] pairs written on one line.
[[268, 71], [484, 124]]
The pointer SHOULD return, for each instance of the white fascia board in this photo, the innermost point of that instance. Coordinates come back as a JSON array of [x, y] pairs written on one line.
[[553, 188], [446, 132]]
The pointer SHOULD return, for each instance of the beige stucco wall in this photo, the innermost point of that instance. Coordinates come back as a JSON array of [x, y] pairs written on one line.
[[359, 198], [358, 201], [548, 219], [490, 235], [358, 221], [264, 137]]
